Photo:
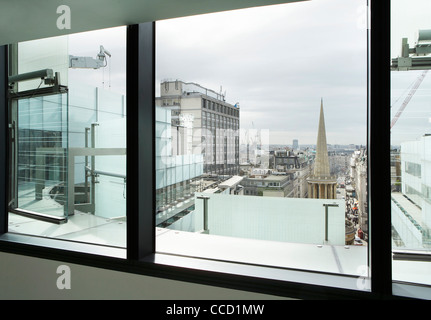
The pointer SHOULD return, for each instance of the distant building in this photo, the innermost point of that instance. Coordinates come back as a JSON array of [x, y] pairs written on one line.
[[395, 170], [295, 164], [359, 187], [283, 160], [215, 124], [321, 184], [411, 208], [232, 186], [268, 185], [295, 145]]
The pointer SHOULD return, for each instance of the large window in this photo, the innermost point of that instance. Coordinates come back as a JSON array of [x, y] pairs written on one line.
[[68, 152], [410, 140], [249, 153], [262, 159]]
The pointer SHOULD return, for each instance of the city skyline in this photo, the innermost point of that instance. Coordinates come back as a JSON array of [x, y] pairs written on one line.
[[299, 113], [276, 66]]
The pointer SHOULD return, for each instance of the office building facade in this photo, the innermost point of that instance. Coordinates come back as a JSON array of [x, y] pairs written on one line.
[[411, 206], [215, 124]]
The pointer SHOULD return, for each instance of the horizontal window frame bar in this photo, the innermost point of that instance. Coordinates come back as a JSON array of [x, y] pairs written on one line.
[[41, 246], [411, 255], [411, 290], [193, 270]]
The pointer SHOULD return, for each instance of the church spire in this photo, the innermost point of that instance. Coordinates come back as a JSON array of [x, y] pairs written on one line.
[[320, 184], [321, 163]]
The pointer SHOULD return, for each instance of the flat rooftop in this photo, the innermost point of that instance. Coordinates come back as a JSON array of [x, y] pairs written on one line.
[[231, 182]]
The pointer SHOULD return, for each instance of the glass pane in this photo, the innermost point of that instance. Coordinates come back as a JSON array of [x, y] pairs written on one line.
[[410, 140], [42, 144], [42, 54], [86, 183], [261, 136]]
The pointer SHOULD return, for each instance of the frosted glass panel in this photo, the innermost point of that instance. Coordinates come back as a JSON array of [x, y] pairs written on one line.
[[274, 219], [50, 53], [111, 134], [85, 180], [83, 111], [42, 142]]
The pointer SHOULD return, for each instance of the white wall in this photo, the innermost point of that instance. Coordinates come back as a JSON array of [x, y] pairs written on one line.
[[23, 277], [274, 218]]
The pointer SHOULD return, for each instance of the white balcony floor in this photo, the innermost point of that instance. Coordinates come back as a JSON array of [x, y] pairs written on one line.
[[81, 227], [346, 260], [88, 228], [322, 258]]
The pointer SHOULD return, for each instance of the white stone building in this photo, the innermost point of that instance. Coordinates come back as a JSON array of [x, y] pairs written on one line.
[[411, 208]]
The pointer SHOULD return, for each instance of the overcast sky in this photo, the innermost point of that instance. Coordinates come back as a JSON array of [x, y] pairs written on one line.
[[87, 44], [278, 62]]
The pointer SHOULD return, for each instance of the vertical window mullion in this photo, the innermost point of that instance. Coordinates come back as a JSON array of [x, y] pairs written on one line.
[[3, 138], [379, 149], [140, 140]]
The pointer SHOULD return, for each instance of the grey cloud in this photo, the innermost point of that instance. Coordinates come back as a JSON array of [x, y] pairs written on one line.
[[293, 55]]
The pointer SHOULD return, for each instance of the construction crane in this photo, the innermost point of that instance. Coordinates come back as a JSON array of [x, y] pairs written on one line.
[[416, 58], [88, 62], [409, 97]]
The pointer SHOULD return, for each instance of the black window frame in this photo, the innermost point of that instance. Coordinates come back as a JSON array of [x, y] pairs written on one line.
[[141, 256]]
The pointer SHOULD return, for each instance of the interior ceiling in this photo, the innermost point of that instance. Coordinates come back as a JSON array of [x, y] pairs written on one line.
[[22, 20]]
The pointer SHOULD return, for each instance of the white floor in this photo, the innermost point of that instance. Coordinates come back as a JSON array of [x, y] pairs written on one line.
[[80, 227]]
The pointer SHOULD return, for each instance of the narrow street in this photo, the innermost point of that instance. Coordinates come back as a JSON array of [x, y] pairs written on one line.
[[352, 212]]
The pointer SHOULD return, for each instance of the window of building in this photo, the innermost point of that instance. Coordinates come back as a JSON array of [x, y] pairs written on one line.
[[329, 224], [64, 183], [50, 122], [410, 141], [413, 169]]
